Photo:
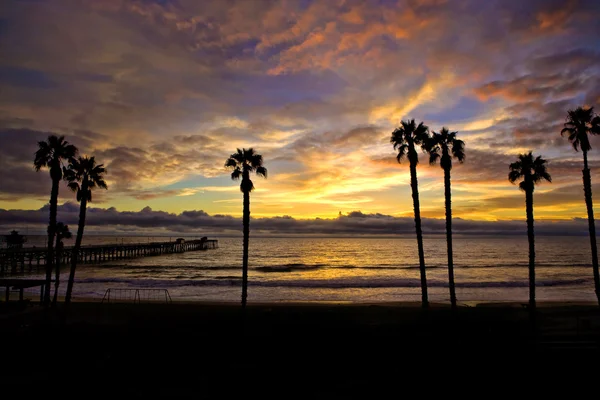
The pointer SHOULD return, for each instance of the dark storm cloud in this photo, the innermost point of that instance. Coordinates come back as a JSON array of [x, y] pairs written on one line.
[[354, 223]]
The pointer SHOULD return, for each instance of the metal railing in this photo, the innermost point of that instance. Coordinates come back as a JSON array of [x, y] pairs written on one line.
[[129, 295]]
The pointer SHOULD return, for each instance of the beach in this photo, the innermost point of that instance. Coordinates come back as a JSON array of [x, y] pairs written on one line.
[[313, 347], [326, 315]]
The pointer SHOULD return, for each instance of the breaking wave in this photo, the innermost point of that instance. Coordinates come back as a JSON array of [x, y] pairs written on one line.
[[295, 267], [339, 283]]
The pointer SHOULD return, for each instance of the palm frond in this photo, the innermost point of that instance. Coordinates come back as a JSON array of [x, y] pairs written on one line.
[[567, 129], [458, 149], [595, 129], [238, 156], [236, 173], [74, 186], [256, 160], [434, 156], [101, 183], [42, 156], [540, 171], [402, 151], [262, 171], [420, 134], [231, 162], [398, 137], [513, 176]]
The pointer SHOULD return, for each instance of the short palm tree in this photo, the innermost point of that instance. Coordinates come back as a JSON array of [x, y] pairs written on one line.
[[51, 154], [445, 146], [405, 139], [581, 122], [532, 171], [83, 176], [62, 232], [242, 163]]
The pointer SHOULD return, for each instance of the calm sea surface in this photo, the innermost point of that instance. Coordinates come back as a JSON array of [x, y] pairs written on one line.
[[487, 268]]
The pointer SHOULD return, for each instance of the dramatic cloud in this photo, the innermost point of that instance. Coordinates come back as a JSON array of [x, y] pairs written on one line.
[[162, 92]]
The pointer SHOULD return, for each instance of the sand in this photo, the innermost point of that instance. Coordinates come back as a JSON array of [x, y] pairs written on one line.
[[302, 347]]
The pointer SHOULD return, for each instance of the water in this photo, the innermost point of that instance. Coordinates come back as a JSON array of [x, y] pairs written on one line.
[[487, 268]]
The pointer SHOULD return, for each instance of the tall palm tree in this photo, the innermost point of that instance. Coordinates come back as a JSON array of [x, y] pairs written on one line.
[[581, 122], [405, 138], [62, 232], [445, 146], [242, 163], [83, 175], [51, 154], [533, 171]]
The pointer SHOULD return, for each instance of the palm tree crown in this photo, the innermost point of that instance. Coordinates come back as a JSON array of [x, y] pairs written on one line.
[[83, 175], [406, 137], [446, 143], [51, 153], [62, 232], [531, 170], [243, 162], [580, 122]]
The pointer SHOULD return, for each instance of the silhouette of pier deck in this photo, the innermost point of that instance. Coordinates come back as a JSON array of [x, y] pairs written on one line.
[[30, 259]]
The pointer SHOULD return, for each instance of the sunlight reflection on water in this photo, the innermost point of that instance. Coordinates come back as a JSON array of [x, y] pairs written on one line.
[[356, 269]]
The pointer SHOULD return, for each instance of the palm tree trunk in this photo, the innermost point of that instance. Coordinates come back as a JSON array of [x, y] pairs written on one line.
[[246, 221], [51, 233], [531, 239], [448, 195], [78, 239], [417, 210], [57, 273], [587, 189]]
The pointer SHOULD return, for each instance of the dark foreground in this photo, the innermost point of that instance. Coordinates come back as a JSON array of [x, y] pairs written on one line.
[[290, 349]]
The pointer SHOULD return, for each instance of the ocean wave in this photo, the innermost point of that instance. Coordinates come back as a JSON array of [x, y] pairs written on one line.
[[290, 267], [340, 283], [298, 267]]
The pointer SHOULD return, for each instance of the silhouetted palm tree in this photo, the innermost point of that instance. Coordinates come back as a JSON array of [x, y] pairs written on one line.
[[243, 162], [83, 175], [51, 154], [405, 138], [533, 171], [62, 232], [444, 146], [580, 123]]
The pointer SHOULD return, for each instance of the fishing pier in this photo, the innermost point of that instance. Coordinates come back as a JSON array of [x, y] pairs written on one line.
[[30, 259]]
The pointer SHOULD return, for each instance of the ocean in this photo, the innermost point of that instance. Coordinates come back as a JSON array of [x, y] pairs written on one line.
[[487, 269]]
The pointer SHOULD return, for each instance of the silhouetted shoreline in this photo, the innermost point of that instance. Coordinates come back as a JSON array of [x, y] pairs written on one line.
[[192, 348]]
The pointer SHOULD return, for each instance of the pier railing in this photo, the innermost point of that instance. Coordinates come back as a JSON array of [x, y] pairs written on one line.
[[30, 259]]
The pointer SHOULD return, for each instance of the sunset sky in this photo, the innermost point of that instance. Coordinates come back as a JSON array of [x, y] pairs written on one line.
[[162, 92]]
